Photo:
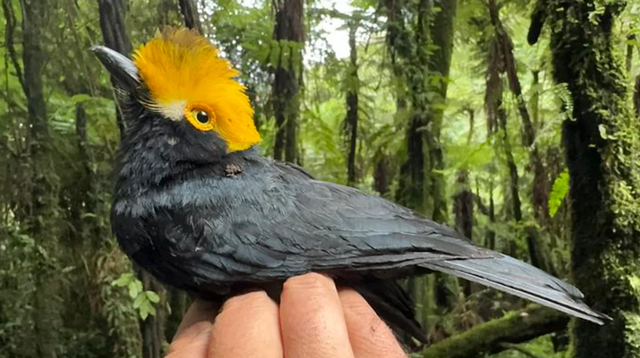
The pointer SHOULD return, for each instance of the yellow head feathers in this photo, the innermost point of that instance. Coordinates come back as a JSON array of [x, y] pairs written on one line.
[[187, 79]]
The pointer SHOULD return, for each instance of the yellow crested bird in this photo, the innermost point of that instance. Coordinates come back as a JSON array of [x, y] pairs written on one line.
[[201, 209]]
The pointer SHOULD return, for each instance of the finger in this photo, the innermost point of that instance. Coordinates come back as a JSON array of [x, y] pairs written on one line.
[[199, 311], [192, 343], [370, 337], [192, 338], [247, 327], [311, 319]]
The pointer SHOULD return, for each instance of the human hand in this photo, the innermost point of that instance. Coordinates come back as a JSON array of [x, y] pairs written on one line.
[[314, 320]]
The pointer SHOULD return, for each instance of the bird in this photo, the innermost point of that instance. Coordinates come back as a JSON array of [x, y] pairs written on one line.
[[198, 206]]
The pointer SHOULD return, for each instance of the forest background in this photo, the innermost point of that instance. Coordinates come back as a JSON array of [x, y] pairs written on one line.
[[516, 122]]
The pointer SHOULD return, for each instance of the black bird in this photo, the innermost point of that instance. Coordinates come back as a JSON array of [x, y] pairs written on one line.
[[200, 208]]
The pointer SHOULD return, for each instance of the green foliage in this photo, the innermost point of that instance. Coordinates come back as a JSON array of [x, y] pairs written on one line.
[[559, 191], [101, 303], [143, 301]]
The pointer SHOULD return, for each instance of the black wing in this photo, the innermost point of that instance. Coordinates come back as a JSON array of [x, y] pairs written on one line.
[[273, 221]]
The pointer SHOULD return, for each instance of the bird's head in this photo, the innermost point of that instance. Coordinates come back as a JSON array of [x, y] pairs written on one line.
[[178, 81]]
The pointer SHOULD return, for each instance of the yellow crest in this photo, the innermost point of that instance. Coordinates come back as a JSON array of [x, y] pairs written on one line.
[[187, 79]]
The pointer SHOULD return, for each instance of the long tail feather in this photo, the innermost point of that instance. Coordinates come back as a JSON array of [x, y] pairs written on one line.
[[518, 278]]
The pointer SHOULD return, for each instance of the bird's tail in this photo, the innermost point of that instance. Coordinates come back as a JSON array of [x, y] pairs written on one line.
[[518, 278]]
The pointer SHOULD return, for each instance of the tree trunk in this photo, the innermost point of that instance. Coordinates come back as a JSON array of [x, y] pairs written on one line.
[[383, 174], [40, 210], [514, 185], [407, 41], [636, 96], [535, 99], [289, 32], [602, 149], [83, 192], [351, 120], [463, 209], [463, 202], [189, 11], [630, 48], [539, 193], [178, 302], [152, 329], [413, 187], [492, 104], [442, 36], [112, 24], [490, 238]]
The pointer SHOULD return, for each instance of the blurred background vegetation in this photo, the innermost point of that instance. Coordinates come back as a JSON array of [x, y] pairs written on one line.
[[514, 121]]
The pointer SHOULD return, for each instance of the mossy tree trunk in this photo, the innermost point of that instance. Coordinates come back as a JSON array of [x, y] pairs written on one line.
[[602, 150], [540, 187], [463, 202], [407, 42], [441, 30], [289, 33], [499, 334], [421, 186], [40, 211], [514, 178], [352, 99]]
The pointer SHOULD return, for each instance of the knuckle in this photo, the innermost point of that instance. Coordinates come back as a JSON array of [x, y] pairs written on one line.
[[351, 300], [311, 281], [250, 300]]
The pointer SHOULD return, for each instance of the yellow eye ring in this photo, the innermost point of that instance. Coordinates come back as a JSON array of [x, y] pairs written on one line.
[[200, 117]]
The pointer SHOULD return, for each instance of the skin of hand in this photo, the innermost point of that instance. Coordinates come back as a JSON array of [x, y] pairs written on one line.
[[314, 320]]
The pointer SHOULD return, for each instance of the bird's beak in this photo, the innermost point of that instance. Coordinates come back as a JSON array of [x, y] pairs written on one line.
[[121, 68]]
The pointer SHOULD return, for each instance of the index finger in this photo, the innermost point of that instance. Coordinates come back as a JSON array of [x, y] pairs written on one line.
[[247, 327], [312, 320]]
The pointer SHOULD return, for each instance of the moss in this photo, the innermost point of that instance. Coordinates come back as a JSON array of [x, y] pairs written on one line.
[[514, 327]]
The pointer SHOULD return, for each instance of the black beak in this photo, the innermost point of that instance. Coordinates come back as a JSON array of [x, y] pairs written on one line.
[[121, 68]]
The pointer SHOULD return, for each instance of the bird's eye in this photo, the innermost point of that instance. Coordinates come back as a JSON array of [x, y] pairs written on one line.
[[201, 116]]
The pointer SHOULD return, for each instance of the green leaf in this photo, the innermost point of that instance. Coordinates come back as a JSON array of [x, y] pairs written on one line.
[[144, 312], [152, 296], [146, 309], [558, 192], [603, 131], [89, 216], [133, 289], [123, 280], [79, 98], [137, 303]]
